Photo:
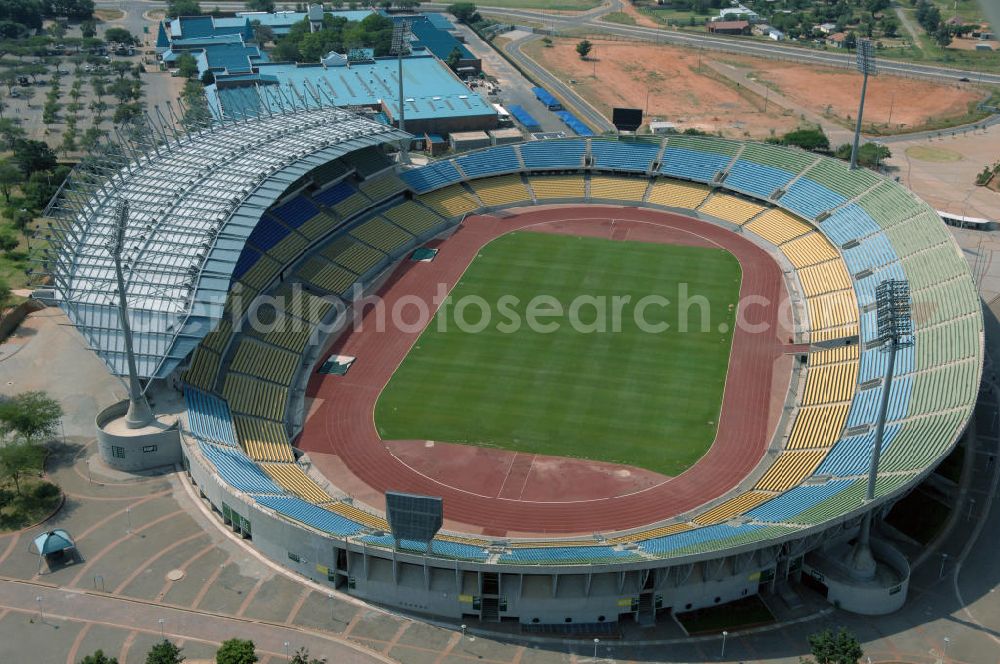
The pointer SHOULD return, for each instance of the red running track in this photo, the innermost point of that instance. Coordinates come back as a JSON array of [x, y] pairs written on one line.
[[501, 493]]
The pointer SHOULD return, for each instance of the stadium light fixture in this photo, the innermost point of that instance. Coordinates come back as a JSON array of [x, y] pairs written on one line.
[[139, 414], [866, 65], [895, 331]]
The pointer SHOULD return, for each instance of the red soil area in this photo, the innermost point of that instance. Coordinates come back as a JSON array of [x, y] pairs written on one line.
[[497, 492]]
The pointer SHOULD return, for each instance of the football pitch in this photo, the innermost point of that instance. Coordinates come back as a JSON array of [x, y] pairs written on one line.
[[525, 356]]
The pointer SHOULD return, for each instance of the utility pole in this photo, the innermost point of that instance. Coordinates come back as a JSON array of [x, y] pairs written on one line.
[[139, 414], [866, 65], [895, 331]]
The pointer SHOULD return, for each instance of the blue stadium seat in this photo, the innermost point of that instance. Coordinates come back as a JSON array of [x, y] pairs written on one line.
[[795, 501], [553, 154], [873, 363], [808, 198], [432, 176], [692, 164], [501, 159], [442, 548], [757, 179], [865, 288], [333, 195], [848, 223], [246, 261], [852, 455], [555, 554], [209, 417], [295, 212], [874, 251], [267, 233], [238, 470], [636, 157], [311, 515], [690, 538], [864, 408]]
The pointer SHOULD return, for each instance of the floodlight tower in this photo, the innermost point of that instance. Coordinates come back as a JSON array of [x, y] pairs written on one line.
[[401, 47], [139, 414], [895, 331], [866, 65]]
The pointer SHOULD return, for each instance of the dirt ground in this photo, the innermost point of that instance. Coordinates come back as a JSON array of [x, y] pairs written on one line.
[[911, 102], [667, 82]]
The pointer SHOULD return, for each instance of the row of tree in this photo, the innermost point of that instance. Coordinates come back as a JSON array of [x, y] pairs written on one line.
[[233, 651], [30, 13], [337, 34], [815, 140]]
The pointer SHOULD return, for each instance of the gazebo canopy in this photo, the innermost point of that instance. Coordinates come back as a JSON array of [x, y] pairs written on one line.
[[53, 541]]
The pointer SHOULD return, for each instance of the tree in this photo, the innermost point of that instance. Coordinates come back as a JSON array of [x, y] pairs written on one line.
[[850, 40], [942, 36], [88, 28], [177, 8], [99, 658], [32, 156], [119, 36], [465, 12], [10, 177], [121, 68], [74, 9], [30, 416], [18, 459], [262, 33], [236, 651], [454, 58], [807, 139], [10, 131], [164, 652], [260, 5], [583, 48], [4, 293], [839, 648], [8, 241], [187, 66], [301, 656]]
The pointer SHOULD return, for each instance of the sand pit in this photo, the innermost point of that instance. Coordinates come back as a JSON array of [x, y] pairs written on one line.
[[834, 92], [667, 82]]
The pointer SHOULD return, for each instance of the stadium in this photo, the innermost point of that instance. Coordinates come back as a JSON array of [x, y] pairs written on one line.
[[737, 471]]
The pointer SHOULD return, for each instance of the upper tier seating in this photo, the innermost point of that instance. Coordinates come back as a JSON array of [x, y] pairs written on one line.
[[553, 154], [501, 159], [432, 176], [637, 157]]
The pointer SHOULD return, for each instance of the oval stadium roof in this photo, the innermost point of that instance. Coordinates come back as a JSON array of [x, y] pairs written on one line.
[[194, 198]]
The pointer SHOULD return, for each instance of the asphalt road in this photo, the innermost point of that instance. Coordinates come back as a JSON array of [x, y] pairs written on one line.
[[731, 44]]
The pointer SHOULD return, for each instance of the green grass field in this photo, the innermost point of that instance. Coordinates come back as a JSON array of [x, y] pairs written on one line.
[[637, 397]]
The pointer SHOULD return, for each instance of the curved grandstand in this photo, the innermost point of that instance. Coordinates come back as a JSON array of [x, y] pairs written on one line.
[[351, 220]]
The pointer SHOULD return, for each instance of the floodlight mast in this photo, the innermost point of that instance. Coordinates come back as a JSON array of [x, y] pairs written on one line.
[[895, 331], [866, 65], [401, 46], [139, 414]]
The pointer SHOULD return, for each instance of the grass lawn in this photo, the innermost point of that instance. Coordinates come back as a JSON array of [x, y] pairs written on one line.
[[619, 17], [637, 397]]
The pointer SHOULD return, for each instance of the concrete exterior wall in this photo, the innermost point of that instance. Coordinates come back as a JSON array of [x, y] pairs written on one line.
[[448, 589], [140, 451]]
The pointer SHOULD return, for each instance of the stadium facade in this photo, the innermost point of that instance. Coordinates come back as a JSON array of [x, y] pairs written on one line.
[[307, 206]]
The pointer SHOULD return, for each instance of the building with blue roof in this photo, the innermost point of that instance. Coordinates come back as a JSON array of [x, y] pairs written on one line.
[[436, 101], [439, 41]]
